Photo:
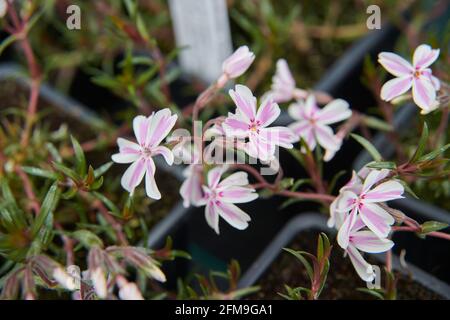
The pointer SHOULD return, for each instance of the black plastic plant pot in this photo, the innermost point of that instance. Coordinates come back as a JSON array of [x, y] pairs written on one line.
[[274, 267], [430, 254], [83, 122]]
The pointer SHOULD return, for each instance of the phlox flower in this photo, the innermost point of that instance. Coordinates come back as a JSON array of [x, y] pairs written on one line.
[[418, 76], [283, 84], [220, 197], [364, 200], [149, 132], [236, 64], [365, 241], [312, 123], [249, 123]]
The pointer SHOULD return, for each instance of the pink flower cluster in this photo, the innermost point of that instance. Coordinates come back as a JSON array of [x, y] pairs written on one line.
[[360, 215]]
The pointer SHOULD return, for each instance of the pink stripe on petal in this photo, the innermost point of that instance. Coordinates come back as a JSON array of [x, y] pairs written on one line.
[[376, 219], [245, 101], [386, 191], [337, 110], [133, 175], [374, 177], [214, 176], [424, 56], [268, 112], [161, 124], [395, 87], [233, 215], [395, 64], [236, 124], [212, 216], [367, 241], [424, 93], [343, 236], [238, 195]]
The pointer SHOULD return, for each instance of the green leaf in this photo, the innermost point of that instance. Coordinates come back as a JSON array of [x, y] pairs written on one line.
[[335, 180], [422, 143], [40, 172], [299, 183], [432, 155], [372, 292], [97, 184], [408, 189], [7, 42], [66, 171], [87, 238], [382, 165], [54, 152], [286, 183], [69, 194], [377, 124], [237, 294], [102, 169], [79, 156], [142, 28], [431, 226], [303, 260], [368, 146], [108, 203], [48, 206]]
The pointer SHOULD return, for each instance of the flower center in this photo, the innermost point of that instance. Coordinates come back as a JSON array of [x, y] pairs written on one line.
[[254, 125], [146, 152], [417, 73]]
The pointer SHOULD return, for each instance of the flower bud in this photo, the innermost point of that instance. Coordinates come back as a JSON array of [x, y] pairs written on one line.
[[64, 279], [128, 290], [98, 279], [236, 64]]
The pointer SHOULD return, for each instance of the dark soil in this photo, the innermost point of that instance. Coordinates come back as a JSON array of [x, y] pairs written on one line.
[[342, 280]]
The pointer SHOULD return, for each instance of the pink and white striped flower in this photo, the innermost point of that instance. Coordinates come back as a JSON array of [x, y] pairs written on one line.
[[313, 123], [236, 64], [363, 201], [283, 84], [418, 76], [149, 132], [221, 196], [249, 123], [365, 241]]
